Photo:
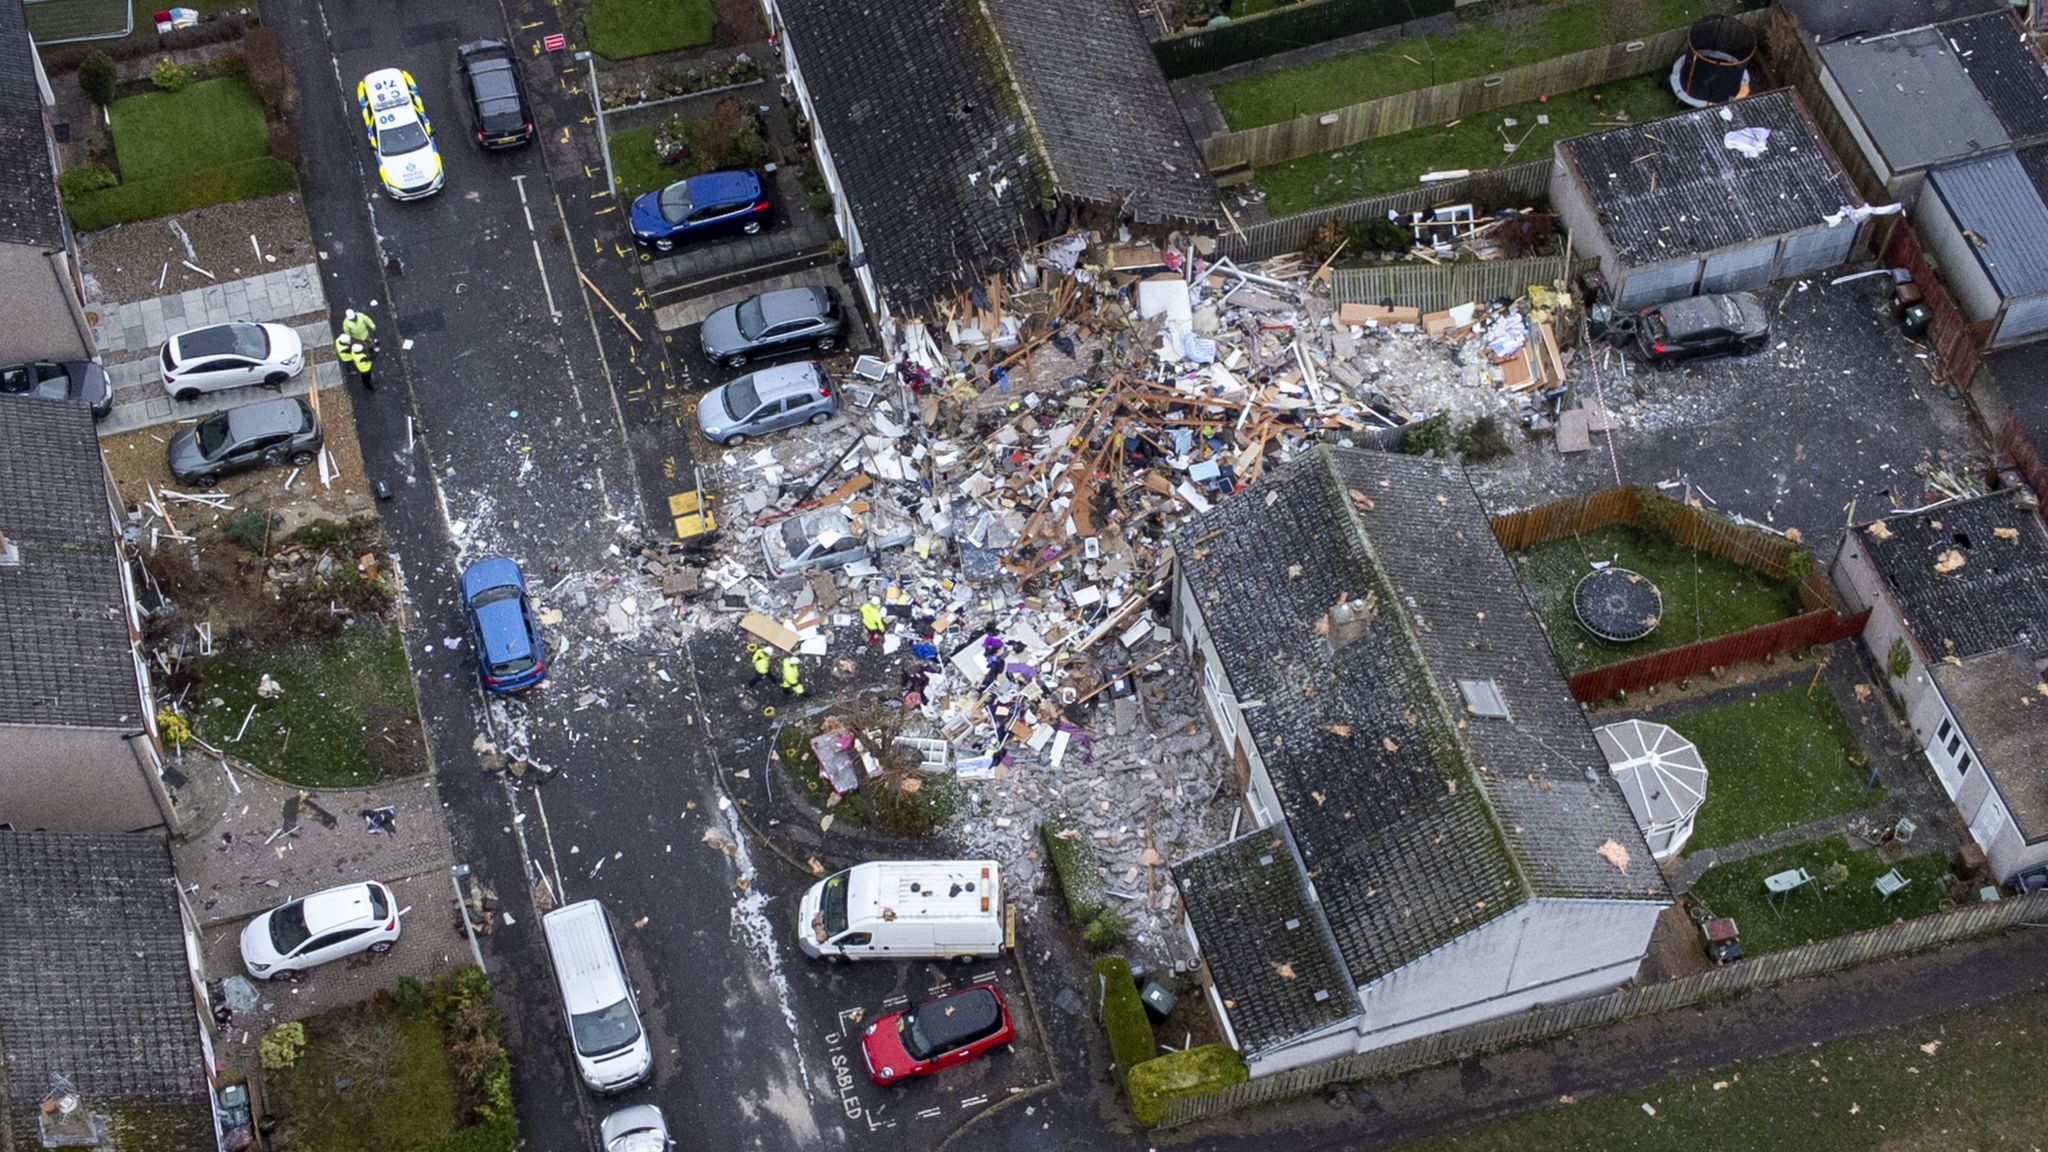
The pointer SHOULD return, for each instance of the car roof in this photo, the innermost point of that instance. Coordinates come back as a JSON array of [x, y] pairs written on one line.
[[265, 417], [968, 1014], [482, 47], [577, 941], [491, 572], [1701, 311], [786, 379], [212, 340], [713, 187], [387, 89], [792, 304], [342, 907], [504, 629]]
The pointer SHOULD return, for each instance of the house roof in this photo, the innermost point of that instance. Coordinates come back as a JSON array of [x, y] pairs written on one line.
[[1269, 954], [1998, 699], [2006, 71], [94, 987], [1825, 20], [933, 154], [29, 212], [1094, 92], [66, 660], [1415, 821], [1997, 205], [1894, 82], [1672, 187], [1996, 597], [43, 319]]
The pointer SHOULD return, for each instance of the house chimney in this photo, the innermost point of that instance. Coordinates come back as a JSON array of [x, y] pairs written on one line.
[[1351, 619]]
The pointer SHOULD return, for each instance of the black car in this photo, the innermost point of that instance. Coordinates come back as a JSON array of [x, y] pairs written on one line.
[[258, 435], [497, 96], [80, 380], [783, 321], [1728, 324]]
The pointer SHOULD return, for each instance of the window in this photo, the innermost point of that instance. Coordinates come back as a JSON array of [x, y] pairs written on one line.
[[854, 940], [1954, 742], [1483, 698], [1963, 764], [1947, 726]]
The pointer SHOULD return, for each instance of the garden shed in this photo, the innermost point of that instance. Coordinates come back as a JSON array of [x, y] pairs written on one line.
[[1716, 200], [1985, 223]]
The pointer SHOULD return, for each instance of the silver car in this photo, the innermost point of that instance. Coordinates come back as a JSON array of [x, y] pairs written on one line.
[[779, 397], [770, 323], [824, 539], [641, 1128]]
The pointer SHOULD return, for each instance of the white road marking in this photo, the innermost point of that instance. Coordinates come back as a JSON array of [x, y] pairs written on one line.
[[554, 861], [988, 977], [543, 266], [928, 1113], [974, 1102]]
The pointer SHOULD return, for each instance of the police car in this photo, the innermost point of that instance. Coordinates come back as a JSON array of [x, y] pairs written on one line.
[[395, 118]]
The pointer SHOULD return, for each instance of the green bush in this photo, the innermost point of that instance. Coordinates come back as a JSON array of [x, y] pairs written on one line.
[[1072, 859], [250, 528], [1123, 1015], [1483, 440], [1374, 236], [170, 76], [410, 997], [280, 1047], [1105, 931], [85, 178], [180, 192], [1899, 660], [1195, 1072], [1433, 435], [97, 78], [494, 1136]]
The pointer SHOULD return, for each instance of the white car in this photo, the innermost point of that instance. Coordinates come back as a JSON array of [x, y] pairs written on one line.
[[394, 116], [641, 1128], [230, 356], [316, 929]]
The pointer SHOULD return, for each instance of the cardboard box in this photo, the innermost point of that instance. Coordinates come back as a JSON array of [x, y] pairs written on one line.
[[1350, 315], [1438, 324]]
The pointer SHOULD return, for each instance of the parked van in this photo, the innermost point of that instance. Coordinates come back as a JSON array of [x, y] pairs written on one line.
[[612, 1051], [904, 908]]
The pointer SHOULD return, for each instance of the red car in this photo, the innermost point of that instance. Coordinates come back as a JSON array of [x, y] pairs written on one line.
[[952, 1029]]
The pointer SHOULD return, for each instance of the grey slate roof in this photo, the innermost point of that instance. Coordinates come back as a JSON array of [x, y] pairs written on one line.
[[1415, 822], [65, 660], [1996, 203], [29, 212], [93, 987], [1102, 108], [2006, 72], [1998, 598], [924, 130], [1693, 194], [1997, 699], [1914, 99], [1825, 20], [1269, 951]]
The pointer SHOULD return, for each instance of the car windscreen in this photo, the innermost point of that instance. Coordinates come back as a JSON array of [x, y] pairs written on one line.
[[675, 203], [750, 319], [605, 1030], [251, 340], [834, 905], [379, 907], [212, 435], [288, 928], [914, 1040], [494, 595], [401, 139], [741, 399]]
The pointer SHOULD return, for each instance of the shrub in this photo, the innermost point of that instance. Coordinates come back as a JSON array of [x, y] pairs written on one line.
[[730, 136], [263, 55], [182, 192], [97, 78], [1072, 860], [170, 76], [1430, 436], [1798, 566], [280, 1047], [1123, 1015], [1899, 660], [1379, 235], [1106, 931], [1322, 243], [76, 182], [672, 139], [283, 144], [1482, 440], [410, 997], [1194, 1072], [250, 528]]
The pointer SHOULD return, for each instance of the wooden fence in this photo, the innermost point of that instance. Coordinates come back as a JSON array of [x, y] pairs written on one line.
[[1282, 29], [1441, 103], [1520, 183], [1821, 622], [1435, 287], [1558, 1019]]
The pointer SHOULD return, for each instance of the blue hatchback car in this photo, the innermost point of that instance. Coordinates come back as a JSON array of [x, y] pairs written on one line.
[[700, 208], [501, 623]]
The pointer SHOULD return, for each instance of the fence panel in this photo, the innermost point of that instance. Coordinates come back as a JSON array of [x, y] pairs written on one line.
[[1435, 287], [1696, 659], [1521, 182], [1613, 1007], [1283, 29]]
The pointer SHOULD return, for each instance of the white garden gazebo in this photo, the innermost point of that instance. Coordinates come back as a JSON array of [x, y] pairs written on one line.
[[1661, 774]]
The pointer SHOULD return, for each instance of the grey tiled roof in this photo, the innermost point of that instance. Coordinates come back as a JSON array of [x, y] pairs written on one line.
[[1102, 108], [1997, 598], [65, 659], [2006, 72], [29, 212], [1914, 99], [1670, 187], [933, 153], [93, 985], [1997, 699], [1415, 822], [1269, 951], [1995, 202]]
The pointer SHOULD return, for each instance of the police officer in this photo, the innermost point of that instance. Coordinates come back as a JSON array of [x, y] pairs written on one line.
[[358, 325], [871, 618], [792, 677], [359, 354], [760, 666]]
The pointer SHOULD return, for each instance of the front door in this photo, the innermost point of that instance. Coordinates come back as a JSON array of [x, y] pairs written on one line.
[[1949, 755]]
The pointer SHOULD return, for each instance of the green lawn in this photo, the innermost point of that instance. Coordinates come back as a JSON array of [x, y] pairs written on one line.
[[637, 169], [1392, 163], [347, 715], [1402, 65], [1966, 1080], [1704, 595], [211, 123], [1774, 762], [50, 20], [1737, 890], [368, 1078], [623, 29]]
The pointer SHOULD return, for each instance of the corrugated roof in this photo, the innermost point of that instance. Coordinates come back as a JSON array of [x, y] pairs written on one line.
[[2003, 218], [1970, 576], [1997, 698], [2006, 70], [1825, 20], [1670, 187], [1914, 99]]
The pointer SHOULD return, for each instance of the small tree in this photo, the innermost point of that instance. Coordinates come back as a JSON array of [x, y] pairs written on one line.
[[730, 137], [170, 76], [96, 77], [263, 53]]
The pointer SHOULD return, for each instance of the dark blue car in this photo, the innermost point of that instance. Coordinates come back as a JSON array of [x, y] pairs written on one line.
[[501, 624], [702, 207]]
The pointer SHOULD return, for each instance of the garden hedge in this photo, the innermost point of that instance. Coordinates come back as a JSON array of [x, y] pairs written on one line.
[[169, 195], [1123, 1014], [1194, 1072], [1071, 855]]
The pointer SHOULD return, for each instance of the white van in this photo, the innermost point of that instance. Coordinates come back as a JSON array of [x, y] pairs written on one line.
[[904, 908], [612, 1051]]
